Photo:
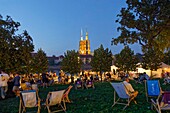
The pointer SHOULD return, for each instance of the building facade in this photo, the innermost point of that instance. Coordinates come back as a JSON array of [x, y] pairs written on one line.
[[84, 45], [85, 52]]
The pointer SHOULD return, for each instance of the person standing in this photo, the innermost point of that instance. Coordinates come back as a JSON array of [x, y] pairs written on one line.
[[44, 80], [4, 84], [16, 81]]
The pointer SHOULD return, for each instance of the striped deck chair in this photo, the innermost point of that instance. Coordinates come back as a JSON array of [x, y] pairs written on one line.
[[162, 103], [152, 89], [29, 99], [55, 99], [120, 90]]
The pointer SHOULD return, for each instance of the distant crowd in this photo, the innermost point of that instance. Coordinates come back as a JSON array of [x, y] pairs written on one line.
[[11, 85]]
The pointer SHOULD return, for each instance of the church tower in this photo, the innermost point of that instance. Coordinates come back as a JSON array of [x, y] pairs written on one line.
[[84, 45]]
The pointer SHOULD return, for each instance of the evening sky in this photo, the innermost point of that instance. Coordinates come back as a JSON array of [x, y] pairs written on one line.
[[55, 25]]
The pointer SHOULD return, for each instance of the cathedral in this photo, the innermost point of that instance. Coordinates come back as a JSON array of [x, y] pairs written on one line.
[[84, 51], [84, 45]]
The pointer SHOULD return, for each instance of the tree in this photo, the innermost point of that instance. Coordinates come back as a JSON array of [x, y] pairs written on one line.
[[152, 59], [126, 60], [166, 58], [71, 62], [102, 60], [40, 62], [15, 49], [146, 22]]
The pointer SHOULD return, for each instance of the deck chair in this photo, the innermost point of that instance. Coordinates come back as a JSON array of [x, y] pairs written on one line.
[[66, 93], [152, 89], [120, 90], [29, 99], [162, 103], [55, 98]]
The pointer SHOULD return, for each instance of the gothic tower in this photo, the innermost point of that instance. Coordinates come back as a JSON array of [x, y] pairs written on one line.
[[84, 45]]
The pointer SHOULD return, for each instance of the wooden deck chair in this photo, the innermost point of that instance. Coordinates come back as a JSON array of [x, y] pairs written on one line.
[[162, 103], [152, 89], [120, 90], [29, 99], [66, 93], [55, 98]]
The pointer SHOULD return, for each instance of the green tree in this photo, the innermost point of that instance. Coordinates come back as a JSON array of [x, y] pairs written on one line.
[[126, 60], [40, 62], [102, 60], [71, 62], [145, 22], [15, 49], [166, 58], [152, 59]]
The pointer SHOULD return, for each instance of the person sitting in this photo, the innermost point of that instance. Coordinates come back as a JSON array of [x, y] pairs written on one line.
[[146, 77], [129, 89], [89, 83], [78, 83], [25, 85], [143, 77], [167, 79]]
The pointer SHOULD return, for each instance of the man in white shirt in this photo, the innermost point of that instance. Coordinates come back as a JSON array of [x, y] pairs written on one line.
[[3, 84], [129, 89]]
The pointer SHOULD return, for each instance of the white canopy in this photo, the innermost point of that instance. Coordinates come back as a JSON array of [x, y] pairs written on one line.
[[163, 65]]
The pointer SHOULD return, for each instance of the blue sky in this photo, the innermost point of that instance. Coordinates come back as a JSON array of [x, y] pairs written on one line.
[[55, 25]]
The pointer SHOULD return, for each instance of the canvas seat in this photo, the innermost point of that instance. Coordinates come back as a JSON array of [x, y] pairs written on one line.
[[120, 90], [162, 103], [55, 99], [66, 93], [152, 89], [29, 99]]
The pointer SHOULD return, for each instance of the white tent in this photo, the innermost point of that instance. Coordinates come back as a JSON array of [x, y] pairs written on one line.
[[163, 65], [113, 67]]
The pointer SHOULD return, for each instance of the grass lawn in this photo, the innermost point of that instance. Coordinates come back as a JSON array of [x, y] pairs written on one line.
[[98, 100]]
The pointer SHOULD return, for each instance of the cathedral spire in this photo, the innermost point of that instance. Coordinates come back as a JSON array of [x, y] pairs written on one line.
[[81, 34], [86, 35]]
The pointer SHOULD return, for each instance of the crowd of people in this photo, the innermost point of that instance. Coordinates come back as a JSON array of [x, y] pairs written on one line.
[[11, 85], [15, 82], [85, 80]]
